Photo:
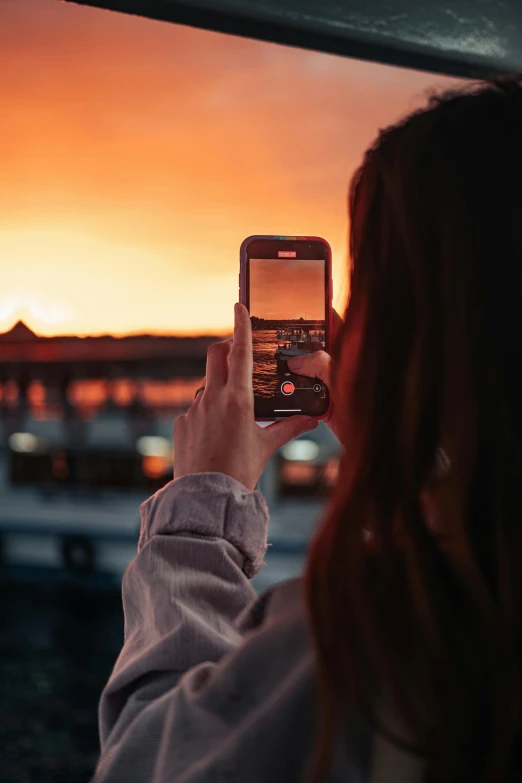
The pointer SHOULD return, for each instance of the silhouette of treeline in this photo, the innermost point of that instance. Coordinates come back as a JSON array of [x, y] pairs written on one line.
[[137, 355], [21, 333], [281, 323]]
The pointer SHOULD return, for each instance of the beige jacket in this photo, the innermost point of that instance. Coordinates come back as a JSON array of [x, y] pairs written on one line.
[[213, 682]]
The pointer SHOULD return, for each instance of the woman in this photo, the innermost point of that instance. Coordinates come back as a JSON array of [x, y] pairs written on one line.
[[398, 656]]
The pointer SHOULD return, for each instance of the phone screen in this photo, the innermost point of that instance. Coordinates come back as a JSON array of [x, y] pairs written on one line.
[[288, 299]]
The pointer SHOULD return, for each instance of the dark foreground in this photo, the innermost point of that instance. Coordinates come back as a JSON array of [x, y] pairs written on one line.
[[57, 647]]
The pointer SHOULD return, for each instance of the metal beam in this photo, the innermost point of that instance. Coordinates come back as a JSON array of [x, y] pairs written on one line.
[[470, 38]]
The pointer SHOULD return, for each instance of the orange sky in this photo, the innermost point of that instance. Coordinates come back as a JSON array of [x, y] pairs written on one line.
[[135, 156], [287, 289]]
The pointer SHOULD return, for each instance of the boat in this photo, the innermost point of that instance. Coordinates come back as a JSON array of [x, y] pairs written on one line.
[[301, 343]]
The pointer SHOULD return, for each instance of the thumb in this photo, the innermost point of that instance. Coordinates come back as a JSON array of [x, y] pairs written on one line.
[[281, 432], [316, 365]]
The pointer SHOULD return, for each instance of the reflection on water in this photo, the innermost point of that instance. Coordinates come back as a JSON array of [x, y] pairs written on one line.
[[88, 397], [267, 375], [57, 648], [266, 380]]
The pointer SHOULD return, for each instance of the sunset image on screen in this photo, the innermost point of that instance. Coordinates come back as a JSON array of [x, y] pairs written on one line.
[[287, 309], [287, 288]]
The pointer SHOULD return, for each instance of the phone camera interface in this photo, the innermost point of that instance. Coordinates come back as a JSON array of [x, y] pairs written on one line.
[[287, 307]]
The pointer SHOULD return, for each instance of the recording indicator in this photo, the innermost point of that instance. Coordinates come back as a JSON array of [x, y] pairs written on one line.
[[287, 387]]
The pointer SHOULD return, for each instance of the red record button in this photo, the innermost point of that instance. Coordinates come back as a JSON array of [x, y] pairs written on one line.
[[287, 387]]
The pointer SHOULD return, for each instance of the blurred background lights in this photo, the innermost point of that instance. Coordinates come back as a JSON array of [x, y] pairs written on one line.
[[23, 441], [300, 450], [154, 446]]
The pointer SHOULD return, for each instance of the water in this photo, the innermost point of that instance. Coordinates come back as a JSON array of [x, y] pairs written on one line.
[[58, 645], [57, 648], [89, 397], [267, 377]]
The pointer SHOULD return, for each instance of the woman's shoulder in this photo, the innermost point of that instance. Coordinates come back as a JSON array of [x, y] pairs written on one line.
[[280, 603], [277, 657]]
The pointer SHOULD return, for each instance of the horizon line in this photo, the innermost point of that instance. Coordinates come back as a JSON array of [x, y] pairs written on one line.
[[116, 335]]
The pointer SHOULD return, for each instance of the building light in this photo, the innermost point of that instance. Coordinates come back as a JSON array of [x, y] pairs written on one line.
[[154, 446], [156, 467], [301, 450], [23, 442], [298, 474]]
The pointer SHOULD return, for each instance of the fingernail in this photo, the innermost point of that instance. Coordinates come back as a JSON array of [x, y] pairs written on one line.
[[295, 363], [237, 310]]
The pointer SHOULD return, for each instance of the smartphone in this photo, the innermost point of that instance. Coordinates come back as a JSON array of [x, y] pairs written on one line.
[[286, 284]]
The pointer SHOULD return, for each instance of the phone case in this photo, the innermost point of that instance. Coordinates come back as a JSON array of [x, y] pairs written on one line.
[[329, 319]]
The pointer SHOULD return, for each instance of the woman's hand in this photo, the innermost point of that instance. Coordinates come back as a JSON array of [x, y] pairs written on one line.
[[319, 365], [218, 433]]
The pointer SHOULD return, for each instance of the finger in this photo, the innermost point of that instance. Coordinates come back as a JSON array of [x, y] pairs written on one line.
[[240, 363], [316, 365], [179, 432], [179, 426], [230, 342], [337, 325], [217, 365], [281, 432]]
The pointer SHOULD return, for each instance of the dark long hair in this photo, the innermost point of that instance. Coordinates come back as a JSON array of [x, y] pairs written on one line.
[[421, 616]]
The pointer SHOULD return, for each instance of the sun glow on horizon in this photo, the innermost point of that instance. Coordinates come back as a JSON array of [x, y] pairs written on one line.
[[65, 281]]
